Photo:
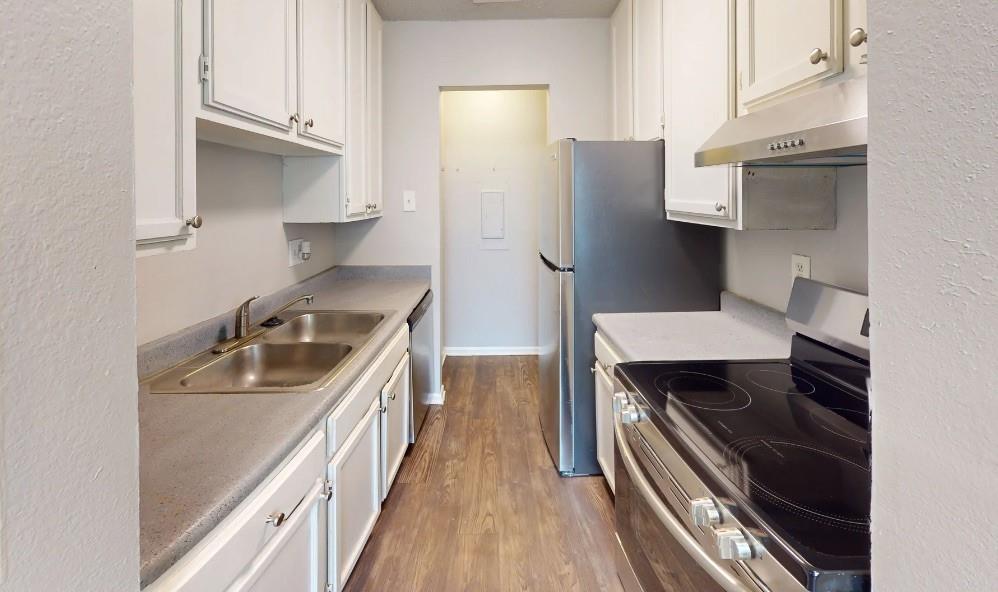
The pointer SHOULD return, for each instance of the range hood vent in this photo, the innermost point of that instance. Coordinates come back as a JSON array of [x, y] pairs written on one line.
[[826, 127]]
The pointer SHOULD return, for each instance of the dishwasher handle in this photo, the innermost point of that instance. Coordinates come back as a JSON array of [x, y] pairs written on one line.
[[420, 310]]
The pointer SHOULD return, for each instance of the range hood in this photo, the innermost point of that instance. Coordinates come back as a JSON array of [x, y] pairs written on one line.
[[823, 127]]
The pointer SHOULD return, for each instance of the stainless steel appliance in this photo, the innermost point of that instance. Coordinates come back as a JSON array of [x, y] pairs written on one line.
[[826, 126], [605, 246], [750, 476], [421, 357]]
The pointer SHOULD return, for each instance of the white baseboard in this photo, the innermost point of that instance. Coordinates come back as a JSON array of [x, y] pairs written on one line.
[[437, 398], [530, 350]]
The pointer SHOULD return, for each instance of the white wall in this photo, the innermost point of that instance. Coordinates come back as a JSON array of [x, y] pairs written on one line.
[[69, 481], [934, 294], [491, 140], [757, 262], [241, 251], [571, 56]]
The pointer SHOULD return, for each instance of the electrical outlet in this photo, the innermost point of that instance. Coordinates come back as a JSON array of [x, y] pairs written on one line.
[[295, 250], [800, 266]]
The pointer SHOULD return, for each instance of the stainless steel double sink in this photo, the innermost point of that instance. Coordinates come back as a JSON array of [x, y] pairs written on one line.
[[300, 355]]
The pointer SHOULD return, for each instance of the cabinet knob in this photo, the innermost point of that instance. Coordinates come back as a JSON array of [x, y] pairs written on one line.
[[328, 488], [817, 55], [195, 222], [719, 207], [310, 123], [857, 37], [293, 118], [276, 519]]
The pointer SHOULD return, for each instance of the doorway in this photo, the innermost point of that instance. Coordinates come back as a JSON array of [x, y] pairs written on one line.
[[493, 144]]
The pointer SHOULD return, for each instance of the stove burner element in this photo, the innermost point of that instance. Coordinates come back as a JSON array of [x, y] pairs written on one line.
[[781, 382], [833, 423], [703, 391], [802, 493]]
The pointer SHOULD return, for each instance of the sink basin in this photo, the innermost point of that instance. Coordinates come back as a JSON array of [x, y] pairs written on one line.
[[268, 365], [324, 326]]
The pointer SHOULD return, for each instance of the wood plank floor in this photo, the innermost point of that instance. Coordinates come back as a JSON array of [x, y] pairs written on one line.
[[478, 505]]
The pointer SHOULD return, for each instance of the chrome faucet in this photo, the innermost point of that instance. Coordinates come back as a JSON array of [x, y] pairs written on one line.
[[308, 298], [242, 318], [242, 333]]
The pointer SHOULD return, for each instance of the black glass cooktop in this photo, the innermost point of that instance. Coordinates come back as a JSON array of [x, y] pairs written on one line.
[[791, 441]]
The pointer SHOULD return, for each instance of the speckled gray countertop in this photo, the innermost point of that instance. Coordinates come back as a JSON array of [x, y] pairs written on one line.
[[740, 330], [201, 455]]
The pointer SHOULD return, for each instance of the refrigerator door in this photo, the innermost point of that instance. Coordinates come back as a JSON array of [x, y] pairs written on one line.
[[556, 240], [556, 341]]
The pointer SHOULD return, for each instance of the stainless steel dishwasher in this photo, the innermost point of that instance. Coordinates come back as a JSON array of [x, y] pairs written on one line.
[[421, 356]]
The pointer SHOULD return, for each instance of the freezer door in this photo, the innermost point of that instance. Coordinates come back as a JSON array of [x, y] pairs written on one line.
[[556, 199], [555, 338]]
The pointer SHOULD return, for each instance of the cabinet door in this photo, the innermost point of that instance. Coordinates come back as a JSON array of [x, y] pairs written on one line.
[[355, 151], [375, 29], [648, 101], [604, 423], [322, 70], [163, 148], [295, 559], [622, 62], [699, 98], [250, 50], [394, 424], [776, 39], [355, 476]]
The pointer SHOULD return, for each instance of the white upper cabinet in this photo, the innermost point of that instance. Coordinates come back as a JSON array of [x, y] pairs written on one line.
[[375, 33], [786, 45], [647, 69], [356, 157], [699, 98], [164, 137], [322, 70], [622, 47], [249, 59]]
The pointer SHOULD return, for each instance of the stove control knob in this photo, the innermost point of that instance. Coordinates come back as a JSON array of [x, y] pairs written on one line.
[[732, 544], [629, 413], [705, 512]]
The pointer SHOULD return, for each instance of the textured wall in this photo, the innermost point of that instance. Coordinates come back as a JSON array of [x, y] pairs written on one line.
[[67, 306], [242, 248], [757, 262], [934, 293], [572, 56]]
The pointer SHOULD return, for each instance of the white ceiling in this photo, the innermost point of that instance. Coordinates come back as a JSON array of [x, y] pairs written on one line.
[[454, 10]]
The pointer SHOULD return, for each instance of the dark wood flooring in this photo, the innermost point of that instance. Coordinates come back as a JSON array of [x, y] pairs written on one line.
[[478, 505]]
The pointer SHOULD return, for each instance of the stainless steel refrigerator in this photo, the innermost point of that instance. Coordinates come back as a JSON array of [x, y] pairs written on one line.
[[606, 246]]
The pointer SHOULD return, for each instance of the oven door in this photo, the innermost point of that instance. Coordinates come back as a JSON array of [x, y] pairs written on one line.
[[657, 553]]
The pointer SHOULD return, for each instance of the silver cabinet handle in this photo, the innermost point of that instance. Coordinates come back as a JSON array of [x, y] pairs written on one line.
[[276, 519], [817, 55], [310, 123], [328, 490], [719, 207], [857, 37], [392, 397], [294, 118], [195, 221]]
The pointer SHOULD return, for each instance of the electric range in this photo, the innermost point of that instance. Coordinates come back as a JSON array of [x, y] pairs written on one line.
[[751, 475]]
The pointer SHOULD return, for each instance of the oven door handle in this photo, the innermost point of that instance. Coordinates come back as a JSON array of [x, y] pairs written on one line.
[[723, 577]]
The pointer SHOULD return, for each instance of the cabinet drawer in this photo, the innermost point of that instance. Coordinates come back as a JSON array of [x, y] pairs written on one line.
[[606, 356], [226, 553], [367, 389]]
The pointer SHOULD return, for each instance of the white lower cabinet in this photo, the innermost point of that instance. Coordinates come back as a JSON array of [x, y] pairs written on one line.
[[394, 424], [604, 424], [606, 359], [355, 476]]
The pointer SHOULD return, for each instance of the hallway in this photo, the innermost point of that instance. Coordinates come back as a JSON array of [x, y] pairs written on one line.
[[478, 505]]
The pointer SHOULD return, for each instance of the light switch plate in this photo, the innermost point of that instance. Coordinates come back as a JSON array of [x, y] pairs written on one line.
[[408, 201], [295, 247], [800, 266]]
